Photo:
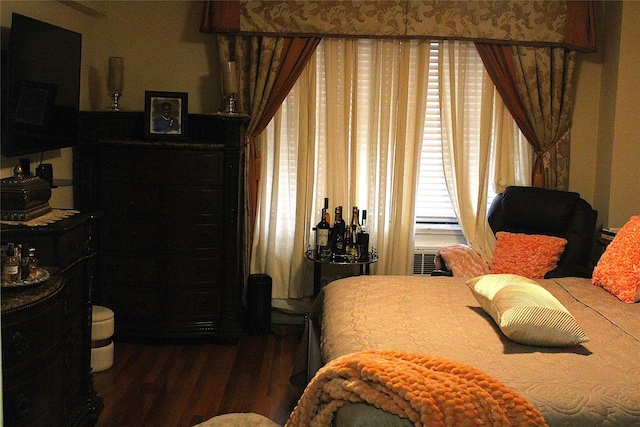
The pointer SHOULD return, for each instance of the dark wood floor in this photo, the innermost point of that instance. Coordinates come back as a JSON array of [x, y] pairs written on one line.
[[182, 385]]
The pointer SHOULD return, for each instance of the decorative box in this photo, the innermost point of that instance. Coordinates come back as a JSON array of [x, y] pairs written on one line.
[[23, 197]]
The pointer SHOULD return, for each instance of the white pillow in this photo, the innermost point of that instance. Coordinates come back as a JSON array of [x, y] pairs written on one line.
[[525, 311]]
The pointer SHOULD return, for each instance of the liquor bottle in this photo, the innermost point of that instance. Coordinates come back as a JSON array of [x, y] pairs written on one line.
[[32, 265], [323, 248], [363, 238], [347, 243], [355, 221], [11, 265], [337, 240], [351, 243]]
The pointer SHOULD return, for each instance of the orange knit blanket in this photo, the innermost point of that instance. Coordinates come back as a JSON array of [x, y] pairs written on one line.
[[429, 391]]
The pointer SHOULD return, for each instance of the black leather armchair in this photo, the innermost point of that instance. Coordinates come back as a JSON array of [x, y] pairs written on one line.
[[565, 214]]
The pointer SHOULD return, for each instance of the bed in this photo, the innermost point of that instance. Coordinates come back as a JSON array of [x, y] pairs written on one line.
[[593, 383]]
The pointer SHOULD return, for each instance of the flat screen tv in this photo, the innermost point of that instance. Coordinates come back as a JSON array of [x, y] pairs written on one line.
[[40, 87]]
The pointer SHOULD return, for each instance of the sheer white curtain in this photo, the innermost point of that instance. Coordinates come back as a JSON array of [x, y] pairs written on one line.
[[351, 130], [290, 152], [354, 125], [477, 131]]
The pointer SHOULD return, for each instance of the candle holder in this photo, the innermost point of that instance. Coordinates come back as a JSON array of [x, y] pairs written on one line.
[[115, 81], [230, 105], [230, 87], [115, 98]]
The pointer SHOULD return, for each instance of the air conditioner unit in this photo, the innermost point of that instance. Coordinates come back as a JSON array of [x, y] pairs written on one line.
[[428, 239], [424, 261]]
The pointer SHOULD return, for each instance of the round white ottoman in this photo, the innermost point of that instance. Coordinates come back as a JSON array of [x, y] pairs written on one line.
[[102, 327]]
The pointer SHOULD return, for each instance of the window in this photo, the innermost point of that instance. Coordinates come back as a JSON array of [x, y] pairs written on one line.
[[432, 204], [353, 129]]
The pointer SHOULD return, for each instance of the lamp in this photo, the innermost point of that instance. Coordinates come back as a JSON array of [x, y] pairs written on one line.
[[230, 86], [115, 81]]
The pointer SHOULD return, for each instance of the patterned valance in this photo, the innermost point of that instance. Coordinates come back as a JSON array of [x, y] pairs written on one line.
[[560, 23]]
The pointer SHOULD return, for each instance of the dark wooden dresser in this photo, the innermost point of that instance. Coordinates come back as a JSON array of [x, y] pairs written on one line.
[[46, 329], [171, 235]]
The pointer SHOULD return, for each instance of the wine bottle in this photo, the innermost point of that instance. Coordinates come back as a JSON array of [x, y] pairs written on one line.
[[337, 242], [323, 248], [326, 207], [363, 238], [341, 219]]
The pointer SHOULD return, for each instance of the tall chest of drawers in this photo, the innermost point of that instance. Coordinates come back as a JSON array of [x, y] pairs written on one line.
[[170, 261], [46, 329]]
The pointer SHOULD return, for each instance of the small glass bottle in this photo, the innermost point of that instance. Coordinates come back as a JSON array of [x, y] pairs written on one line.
[[32, 265], [24, 266], [11, 265]]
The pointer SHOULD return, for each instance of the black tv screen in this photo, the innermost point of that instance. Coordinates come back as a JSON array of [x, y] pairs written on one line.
[[41, 88]]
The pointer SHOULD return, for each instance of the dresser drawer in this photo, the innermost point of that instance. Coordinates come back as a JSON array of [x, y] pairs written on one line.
[[159, 165], [73, 297], [152, 200], [27, 343], [35, 399], [74, 389], [76, 244], [199, 268], [153, 237]]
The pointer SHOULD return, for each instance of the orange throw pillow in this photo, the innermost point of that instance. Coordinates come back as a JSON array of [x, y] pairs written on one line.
[[618, 270], [528, 255]]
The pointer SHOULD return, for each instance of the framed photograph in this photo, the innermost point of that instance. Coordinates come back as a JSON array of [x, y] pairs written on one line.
[[35, 103], [165, 115]]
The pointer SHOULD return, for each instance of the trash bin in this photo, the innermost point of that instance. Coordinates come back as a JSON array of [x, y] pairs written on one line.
[[259, 304]]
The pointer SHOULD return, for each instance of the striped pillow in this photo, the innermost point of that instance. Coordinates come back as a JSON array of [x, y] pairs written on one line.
[[525, 311]]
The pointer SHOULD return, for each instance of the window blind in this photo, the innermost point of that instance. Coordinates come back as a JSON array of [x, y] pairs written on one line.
[[432, 201]]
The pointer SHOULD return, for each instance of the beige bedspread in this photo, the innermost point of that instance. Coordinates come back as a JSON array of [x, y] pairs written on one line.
[[597, 383]]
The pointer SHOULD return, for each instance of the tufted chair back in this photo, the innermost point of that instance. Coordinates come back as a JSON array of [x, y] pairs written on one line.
[[563, 214]]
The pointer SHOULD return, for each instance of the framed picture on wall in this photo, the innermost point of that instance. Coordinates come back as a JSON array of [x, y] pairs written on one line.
[[165, 115]]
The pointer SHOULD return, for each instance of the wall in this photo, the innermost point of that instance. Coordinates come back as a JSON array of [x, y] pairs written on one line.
[[624, 183], [163, 50], [605, 157]]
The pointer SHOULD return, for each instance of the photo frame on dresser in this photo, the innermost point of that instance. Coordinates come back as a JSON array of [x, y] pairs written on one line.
[[165, 115]]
